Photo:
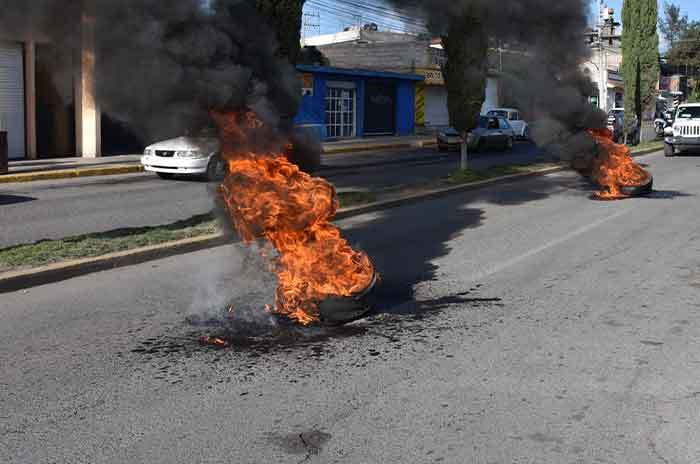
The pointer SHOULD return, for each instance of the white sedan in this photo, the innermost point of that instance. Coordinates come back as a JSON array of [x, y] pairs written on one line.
[[197, 156]]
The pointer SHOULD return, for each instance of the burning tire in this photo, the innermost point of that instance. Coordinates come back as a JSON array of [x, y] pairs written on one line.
[[341, 310], [636, 190]]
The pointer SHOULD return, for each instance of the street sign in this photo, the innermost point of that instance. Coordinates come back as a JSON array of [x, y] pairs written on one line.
[[307, 85]]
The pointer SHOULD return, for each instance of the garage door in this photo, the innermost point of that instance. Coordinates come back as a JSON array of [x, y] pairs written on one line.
[[436, 114], [12, 96]]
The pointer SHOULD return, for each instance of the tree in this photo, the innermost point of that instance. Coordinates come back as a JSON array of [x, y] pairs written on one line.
[[672, 24], [640, 59], [284, 16], [466, 47], [685, 51]]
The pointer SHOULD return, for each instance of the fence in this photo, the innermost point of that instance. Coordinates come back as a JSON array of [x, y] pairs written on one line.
[[647, 132]]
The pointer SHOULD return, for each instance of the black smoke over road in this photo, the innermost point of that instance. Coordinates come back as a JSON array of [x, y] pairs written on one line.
[[163, 65], [541, 72]]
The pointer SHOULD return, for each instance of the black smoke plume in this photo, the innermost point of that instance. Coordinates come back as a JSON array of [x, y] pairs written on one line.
[[162, 66], [545, 46]]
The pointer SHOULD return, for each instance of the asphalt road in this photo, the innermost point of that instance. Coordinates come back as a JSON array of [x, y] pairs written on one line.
[[516, 324], [54, 209]]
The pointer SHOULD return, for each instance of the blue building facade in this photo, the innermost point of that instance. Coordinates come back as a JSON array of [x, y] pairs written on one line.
[[343, 103]]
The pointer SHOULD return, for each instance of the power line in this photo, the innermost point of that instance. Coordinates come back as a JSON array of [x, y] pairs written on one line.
[[387, 18]]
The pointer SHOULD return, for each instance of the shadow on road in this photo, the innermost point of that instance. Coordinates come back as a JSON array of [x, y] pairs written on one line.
[[667, 195], [404, 242], [14, 199]]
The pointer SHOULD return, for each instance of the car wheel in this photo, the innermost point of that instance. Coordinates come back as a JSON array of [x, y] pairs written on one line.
[[526, 133], [669, 150], [215, 169], [442, 148], [509, 143], [165, 175]]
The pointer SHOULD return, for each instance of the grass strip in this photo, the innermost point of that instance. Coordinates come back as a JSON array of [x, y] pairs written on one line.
[[465, 176], [654, 144], [356, 198], [97, 244]]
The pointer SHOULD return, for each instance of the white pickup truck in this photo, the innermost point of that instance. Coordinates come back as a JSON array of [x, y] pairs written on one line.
[[684, 134]]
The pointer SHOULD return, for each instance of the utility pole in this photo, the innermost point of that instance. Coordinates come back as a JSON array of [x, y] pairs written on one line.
[[311, 25]]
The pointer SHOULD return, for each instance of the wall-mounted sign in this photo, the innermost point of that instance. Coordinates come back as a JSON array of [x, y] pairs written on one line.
[[307, 85], [432, 76]]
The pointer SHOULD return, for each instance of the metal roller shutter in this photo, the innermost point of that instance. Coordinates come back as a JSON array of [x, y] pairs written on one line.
[[436, 114], [12, 96]]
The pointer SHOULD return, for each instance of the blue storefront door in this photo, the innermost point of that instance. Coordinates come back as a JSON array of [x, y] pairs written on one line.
[[340, 111]]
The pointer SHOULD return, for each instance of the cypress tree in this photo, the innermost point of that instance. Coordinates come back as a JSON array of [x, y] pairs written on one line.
[[284, 16], [466, 47], [640, 58]]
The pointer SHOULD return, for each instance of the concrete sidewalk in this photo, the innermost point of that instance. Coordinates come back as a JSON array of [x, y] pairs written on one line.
[[53, 164], [60, 168]]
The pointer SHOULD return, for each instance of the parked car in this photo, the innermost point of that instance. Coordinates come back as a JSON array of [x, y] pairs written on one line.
[[491, 133], [684, 134], [512, 115], [193, 156]]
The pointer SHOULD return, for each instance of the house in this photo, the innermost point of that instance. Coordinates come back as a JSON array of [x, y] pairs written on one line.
[[47, 113], [342, 103], [603, 66], [368, 48]]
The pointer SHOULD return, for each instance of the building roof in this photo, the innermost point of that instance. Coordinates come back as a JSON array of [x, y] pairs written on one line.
[[358, 72]]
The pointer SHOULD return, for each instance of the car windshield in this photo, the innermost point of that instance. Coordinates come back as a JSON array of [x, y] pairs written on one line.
[[499, 113], [689, 112]]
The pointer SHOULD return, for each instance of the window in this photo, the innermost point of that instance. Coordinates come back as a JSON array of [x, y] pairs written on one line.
[[689, 112], [514, 116], [498, 113], [340, 110]]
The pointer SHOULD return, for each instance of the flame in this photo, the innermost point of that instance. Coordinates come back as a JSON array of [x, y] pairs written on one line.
[[614, 167], [269, 198], [213, 341]]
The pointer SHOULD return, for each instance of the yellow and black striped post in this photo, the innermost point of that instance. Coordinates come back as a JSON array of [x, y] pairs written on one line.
[[420, 104]]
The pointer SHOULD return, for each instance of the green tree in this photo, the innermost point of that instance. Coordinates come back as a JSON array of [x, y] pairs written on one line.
[[673, 23], [284, 16], [640, 58], [685, 51], [466, 47]]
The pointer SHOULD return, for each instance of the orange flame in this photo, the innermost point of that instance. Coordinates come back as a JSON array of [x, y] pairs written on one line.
[[614, 168], [268, 197]]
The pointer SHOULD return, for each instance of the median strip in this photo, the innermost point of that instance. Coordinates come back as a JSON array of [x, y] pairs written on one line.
[[48, 261]]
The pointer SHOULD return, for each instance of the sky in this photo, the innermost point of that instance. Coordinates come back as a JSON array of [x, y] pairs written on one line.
[[689, 7], [331, 23]]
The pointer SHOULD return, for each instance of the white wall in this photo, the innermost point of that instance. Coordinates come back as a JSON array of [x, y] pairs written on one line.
[[492, 95]]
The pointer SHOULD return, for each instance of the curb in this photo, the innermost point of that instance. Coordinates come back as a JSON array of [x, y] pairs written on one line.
[[18, 280], [137, 168], [71, 173], [441, 192], [646, 151], [358, 147]]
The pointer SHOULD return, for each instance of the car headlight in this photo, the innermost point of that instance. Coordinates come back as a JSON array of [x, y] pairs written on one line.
[[147, 152], [189, 154]]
